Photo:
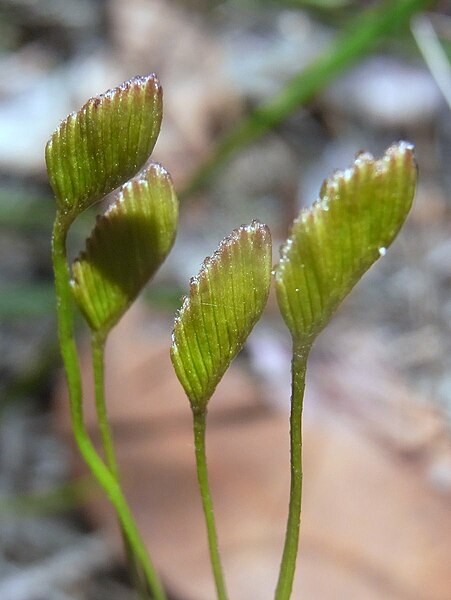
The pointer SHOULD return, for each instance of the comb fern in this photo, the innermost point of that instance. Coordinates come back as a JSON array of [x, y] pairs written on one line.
[[226, 300], [106, 145], [91, 153], [331, 245]]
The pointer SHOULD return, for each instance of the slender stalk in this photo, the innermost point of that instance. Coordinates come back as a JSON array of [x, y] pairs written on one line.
[[98, 341], [98, 365], [199, 422], [290, 551], [87, 450]]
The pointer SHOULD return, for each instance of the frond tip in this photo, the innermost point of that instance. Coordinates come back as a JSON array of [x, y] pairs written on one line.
[[106, 142], [225, 301], [332, 244], [127, 246]]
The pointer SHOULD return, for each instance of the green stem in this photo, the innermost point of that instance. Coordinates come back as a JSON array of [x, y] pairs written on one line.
[[288, 564], [87, 450], [361, 35], [199, 422], [98, 340], [98, 354]]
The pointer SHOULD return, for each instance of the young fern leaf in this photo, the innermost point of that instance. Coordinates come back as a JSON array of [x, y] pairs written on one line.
[[106, 142], [127, 246], [332, 244], [90, 154], [226, 300]]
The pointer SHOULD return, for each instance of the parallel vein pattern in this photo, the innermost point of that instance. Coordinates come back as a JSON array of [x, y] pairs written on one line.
[[331, 245], [107, 141], [225, 301], [126, 247]]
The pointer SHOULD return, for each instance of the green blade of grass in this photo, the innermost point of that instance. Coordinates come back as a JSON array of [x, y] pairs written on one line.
[[359, 37], [26, 301], [49, 501]]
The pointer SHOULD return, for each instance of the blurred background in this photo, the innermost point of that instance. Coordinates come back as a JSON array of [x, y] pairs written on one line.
[[336, 77]]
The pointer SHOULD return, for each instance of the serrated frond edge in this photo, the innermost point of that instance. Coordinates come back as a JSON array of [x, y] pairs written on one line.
[[150, 84], [152, 170], [307, 216], [255, 228]]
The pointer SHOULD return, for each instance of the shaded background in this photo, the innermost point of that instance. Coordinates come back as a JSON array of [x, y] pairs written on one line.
[[377, 509]]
